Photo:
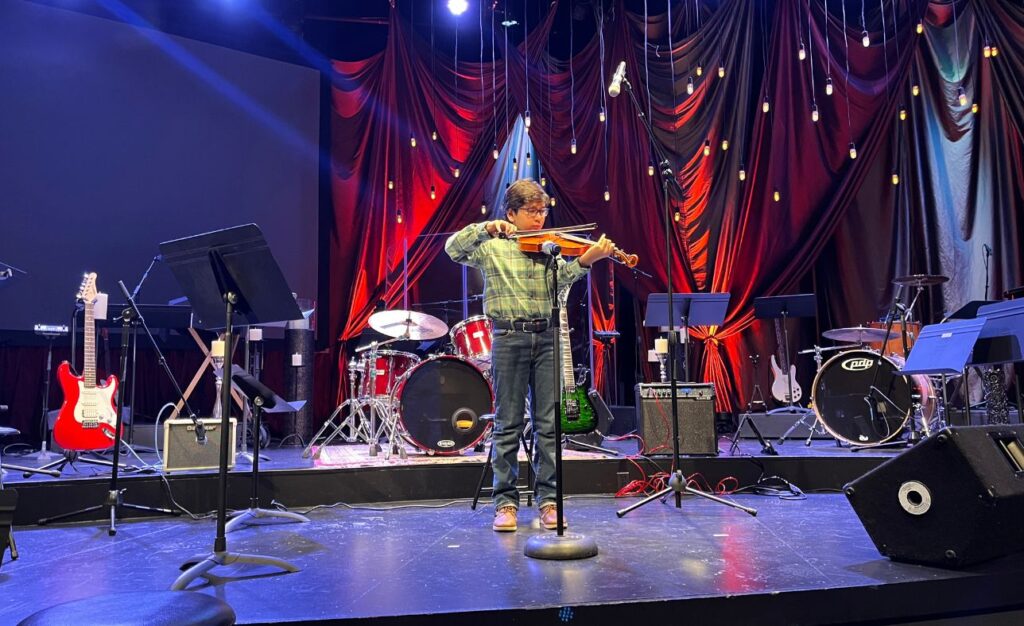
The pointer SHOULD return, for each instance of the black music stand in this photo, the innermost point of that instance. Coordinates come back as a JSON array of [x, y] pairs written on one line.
[[697, 309], [229, 272], [263, 400]]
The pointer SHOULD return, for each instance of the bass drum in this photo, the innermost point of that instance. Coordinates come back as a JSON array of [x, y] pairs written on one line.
[[842, 392], [440, 403]]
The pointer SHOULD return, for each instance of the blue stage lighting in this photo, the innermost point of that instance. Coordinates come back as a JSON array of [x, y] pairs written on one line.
[[457, 7]]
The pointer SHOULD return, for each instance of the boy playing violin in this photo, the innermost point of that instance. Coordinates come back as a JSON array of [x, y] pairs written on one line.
[[518, 300]]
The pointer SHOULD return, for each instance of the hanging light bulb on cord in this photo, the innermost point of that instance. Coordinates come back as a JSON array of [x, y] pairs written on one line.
[[689, 86], [707, 147], [814, 112], [801, 52], [494, 152], [853, 150], [865, 39], [743, 173], [572, 146], [607, 194], [526, 120], [828, 86], [961, 96], [766, 105]]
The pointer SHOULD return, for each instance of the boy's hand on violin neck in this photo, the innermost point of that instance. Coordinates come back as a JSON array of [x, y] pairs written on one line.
[[600, 250], [497, 228]]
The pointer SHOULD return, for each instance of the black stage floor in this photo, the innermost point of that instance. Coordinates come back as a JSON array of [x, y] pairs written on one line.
[[801, 561]]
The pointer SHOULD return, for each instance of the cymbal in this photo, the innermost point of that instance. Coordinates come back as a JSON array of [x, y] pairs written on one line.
[[409, 324], [858, 334], [921, 280]]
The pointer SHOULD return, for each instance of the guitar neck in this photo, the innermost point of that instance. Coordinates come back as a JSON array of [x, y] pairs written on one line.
[[783, 357], [568, 379], [89, 343]]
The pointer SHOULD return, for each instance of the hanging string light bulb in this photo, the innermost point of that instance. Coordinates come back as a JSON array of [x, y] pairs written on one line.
[[828, 86], [457, 173], [391, 185], [776, 196], [552, 201], [483, 208], [398, 216], [689, 86], [995, 51], [572, 146], [766, 105], [974, 108], [961, 96], [515, 164], [814, 112], [494, 151], [650, 168], [743, 172], [915, 89], [987, 51], [707, 147], [601, 115], [607, 194], [412, 140], [865, 39], [543, 180], [920, 27], [677, 216], [801, 52], [433, 193], [527, 120], [725, 144], [895, 178], [529, 160], [903, 113], [721, 71], [433, 135], [700, 69], [853, 150]]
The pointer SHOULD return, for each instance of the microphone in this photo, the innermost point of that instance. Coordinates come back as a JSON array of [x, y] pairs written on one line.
[[615, 88], [987, 249], [550, 248], [200, 432]]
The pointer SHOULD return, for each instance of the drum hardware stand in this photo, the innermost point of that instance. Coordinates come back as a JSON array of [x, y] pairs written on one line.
[[131, 316], [220, 278], [262, 400], [670, 187]]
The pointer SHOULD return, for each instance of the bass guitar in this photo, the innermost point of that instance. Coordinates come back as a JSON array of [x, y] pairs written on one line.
[[784, 373], [578, 415], [87, 419]]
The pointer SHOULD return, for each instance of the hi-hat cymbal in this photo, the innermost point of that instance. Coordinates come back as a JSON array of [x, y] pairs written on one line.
[[921, 280], [409, 324], [859, 334]]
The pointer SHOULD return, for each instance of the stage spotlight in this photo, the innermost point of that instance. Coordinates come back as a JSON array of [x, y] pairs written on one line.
[[457, 7]]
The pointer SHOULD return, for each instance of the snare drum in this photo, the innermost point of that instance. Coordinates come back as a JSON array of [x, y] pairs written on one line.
[[843, 397], [388, 366], [440, 402], [472, 339]]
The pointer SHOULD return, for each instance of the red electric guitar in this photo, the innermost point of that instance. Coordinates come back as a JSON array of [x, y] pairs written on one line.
[[87, 418]]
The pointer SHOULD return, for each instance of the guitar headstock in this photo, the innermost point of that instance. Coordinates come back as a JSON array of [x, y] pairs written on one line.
[[87, 290]]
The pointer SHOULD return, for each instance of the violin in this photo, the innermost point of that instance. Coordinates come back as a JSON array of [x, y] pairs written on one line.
[[571, 245]]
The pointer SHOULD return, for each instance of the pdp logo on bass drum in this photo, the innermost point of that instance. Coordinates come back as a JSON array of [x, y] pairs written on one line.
[[857, 365]]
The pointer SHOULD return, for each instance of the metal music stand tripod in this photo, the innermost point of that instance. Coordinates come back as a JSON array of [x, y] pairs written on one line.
[[229, 272], [700, 309], [263, 400]]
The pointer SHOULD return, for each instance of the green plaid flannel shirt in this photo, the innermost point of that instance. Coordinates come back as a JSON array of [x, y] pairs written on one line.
[[516, 283]]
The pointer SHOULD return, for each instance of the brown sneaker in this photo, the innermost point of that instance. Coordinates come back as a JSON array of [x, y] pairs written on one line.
[[549, 517], [505, 519]]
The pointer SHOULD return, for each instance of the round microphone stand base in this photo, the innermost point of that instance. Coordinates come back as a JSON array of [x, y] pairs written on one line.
[[564, 547]]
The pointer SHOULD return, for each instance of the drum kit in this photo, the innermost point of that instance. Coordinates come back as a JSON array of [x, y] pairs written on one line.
[[440, 405], [859, 395]]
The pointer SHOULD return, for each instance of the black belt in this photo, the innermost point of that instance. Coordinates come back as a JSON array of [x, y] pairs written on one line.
[[523, 326]]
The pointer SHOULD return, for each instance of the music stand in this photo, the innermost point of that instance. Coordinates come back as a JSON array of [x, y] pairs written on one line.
[[231, 272], [699, 309], [263, 400]]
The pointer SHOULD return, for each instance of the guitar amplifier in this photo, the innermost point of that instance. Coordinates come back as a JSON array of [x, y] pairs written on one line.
[[183, 452], [696, 406]]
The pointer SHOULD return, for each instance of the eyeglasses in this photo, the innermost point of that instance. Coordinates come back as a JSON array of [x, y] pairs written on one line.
[[535, 212]]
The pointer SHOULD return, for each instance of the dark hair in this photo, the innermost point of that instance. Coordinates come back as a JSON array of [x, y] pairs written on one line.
[[523, 192]]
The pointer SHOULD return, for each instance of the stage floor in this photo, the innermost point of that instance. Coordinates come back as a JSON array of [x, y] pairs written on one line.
[[798, 561]]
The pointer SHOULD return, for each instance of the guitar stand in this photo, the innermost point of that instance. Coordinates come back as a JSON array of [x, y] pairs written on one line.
[[766, 446], [569, 442], [70, 457]]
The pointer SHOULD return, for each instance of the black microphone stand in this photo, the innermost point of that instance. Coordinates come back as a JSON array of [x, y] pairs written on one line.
[[130, 317], [135, 341], [561, 546], [670, 186]]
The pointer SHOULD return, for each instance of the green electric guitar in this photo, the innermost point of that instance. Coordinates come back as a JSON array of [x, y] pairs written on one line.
[[578, 414]]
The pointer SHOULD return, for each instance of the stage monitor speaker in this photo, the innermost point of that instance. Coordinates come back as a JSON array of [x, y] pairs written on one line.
[[955, 499], [8, 500], [696, 404], [182, 451]]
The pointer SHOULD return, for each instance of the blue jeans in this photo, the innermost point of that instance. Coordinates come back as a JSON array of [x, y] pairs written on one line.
[[522, 361]]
